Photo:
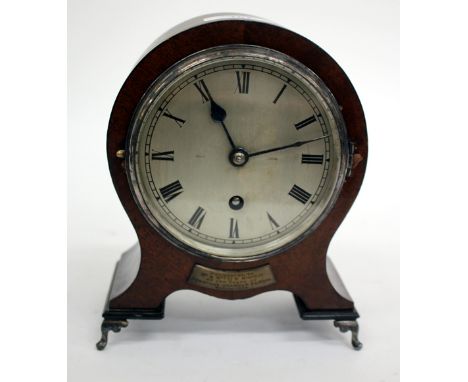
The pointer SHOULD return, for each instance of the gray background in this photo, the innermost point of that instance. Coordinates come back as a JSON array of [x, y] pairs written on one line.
[[203, 338]]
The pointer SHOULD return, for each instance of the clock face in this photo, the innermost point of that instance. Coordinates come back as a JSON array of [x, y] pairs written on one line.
[[236, 152]]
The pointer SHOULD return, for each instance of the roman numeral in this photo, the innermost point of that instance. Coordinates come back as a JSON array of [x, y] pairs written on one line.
[[233, 229], [205, 93], [163, 155], [305, 122], [312, 159], [299, 194], [170, 191], [274, 225], [279, 94], [243, 80], [177, 120], [197, 218]]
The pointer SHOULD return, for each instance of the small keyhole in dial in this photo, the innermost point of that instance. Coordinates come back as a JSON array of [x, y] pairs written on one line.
[[236, 202]]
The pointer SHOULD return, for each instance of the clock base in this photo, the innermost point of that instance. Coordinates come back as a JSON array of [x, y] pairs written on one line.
[[343, 319], [116, 319]]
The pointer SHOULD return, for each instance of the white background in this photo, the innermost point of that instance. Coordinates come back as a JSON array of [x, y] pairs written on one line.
[[429, 136], [203, 338]]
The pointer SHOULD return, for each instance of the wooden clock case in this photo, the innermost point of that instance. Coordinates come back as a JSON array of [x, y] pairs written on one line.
[[152, 270]]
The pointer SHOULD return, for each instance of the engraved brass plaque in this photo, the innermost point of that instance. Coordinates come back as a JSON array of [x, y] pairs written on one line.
[[231, 280]]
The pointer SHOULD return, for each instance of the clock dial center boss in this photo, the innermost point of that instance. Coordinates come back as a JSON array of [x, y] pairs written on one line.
[[237, 152]]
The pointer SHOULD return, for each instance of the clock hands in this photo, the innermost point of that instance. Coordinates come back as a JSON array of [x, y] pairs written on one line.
[[218, 114], [295, 144], [238, 156]]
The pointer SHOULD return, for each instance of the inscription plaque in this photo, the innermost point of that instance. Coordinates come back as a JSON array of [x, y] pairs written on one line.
[[231, 280]]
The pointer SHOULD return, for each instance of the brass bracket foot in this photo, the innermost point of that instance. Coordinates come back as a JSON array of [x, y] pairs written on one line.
[[352, 326], [108, 325]]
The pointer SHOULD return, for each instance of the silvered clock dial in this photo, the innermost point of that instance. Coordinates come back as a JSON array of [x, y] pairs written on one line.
[[237, 152], [236, 147]]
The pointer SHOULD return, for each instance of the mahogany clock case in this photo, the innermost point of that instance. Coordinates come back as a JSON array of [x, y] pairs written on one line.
[[163, 267]]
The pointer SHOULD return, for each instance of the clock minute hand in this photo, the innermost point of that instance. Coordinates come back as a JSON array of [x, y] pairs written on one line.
[[218, 114], [295, 144]]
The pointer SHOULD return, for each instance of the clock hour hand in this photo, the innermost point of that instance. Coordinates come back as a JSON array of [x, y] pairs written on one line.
[[295, 144], [218, 114]]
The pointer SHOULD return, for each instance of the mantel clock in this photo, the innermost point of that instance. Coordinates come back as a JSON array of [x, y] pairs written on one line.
[[236, 148]]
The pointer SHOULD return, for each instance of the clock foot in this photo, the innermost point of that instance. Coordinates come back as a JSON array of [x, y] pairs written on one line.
[[108, 325], [344, 319], [352, 326]]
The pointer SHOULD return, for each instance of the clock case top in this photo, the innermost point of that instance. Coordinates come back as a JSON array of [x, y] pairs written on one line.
[[161, 268]]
